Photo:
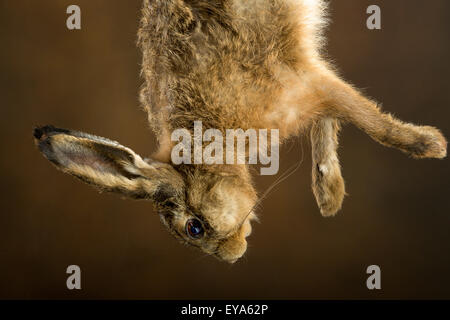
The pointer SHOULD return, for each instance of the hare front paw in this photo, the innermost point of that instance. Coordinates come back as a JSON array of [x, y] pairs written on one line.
[[328, 188]]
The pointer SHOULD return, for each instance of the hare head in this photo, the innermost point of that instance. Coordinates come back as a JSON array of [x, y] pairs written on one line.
[[208, 208]]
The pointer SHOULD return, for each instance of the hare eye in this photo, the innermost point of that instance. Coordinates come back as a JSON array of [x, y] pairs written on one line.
[[194, 229]]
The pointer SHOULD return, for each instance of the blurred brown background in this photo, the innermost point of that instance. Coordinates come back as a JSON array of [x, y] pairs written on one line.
[[396, 215]]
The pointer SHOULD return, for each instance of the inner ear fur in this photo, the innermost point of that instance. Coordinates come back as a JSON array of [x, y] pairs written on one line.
[[106, 164]]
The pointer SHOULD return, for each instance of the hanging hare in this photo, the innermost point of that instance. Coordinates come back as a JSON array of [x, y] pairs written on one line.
[[231, 64]]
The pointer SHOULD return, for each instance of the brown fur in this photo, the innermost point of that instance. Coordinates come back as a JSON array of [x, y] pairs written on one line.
[[328, 184], [232, 64]]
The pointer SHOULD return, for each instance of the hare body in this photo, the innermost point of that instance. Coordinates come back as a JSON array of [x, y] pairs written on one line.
[[244, 64], [231, 64]]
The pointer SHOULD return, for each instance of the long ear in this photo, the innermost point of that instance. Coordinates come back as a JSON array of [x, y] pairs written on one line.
[[107, 165]]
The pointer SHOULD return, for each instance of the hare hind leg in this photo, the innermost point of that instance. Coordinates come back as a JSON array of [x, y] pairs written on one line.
[[327, 182], [341, 100]]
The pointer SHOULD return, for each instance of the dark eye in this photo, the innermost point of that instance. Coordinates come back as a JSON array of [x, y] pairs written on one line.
[[194, 229]]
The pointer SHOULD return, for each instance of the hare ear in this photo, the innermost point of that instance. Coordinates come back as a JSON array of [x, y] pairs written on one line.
[[104, 163]]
